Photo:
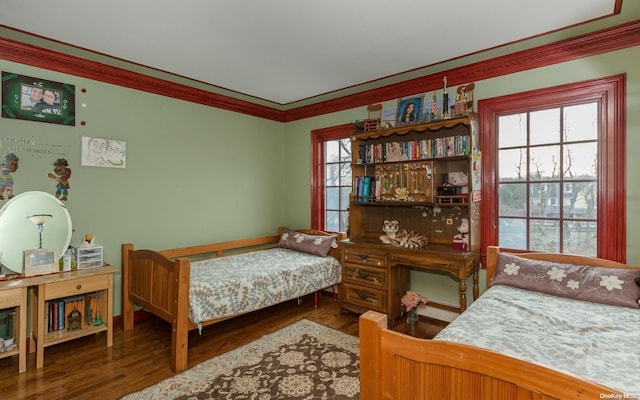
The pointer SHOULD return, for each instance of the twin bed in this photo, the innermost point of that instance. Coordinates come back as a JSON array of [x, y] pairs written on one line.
[[529, 336], [196, 286]]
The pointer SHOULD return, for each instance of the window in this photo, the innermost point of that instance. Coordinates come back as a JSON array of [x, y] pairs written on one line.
[[331, 181], [554, 165], [547, 179]]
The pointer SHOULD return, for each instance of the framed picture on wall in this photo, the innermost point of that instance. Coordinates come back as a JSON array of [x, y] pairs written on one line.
[[102, 152], [35, 99]]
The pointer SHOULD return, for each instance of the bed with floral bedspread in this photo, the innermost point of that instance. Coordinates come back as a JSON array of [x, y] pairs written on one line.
[[195, 286], [237, 284], [551, 326]]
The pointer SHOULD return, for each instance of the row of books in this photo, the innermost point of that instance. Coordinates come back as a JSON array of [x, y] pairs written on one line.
[[449, 146], [365, 189], [61, 313]]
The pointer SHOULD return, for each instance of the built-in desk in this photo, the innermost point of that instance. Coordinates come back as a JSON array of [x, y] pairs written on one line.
[[376, 276]]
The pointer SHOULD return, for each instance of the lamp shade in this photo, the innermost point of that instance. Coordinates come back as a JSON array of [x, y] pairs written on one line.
[[39, 219]]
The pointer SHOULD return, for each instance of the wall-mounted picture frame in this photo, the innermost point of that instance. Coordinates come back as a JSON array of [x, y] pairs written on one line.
[[103, 152], [35, 99], [41, 261], [409, 110]]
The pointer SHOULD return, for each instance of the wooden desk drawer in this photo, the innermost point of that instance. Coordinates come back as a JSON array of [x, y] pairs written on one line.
[[365, 297], [364, 256], [71, 287], [11, 297], [365, 275], [432, 263]]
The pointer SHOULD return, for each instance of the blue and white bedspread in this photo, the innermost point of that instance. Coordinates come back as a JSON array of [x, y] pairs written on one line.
[[595, 342], [240, 283]]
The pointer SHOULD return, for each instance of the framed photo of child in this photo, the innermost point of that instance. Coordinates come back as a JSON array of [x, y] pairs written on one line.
[[409, 110]]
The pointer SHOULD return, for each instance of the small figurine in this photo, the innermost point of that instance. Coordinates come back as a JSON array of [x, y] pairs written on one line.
[[88, 240], [461, 240], [464, 99], [61, 174], [7, 166]]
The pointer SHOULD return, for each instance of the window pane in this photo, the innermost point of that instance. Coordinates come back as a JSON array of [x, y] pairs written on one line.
[[332, 221], [581, 122], [512, 164], [580, 238], [331, 151], [544, 162], [580, 200], [344, 221], [344, 197], [345, 175], [580, 160], [544, 200], [512, 199], [512, 233], [345, 150], [512, 130], [545, 126], [545, 236], [332, 198], [332, 175]]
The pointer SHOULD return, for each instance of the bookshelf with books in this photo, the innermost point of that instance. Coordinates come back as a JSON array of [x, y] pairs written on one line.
[[70, 305], [426, 176]]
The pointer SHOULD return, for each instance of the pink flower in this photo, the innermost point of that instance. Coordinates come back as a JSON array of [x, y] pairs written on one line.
[[413, 300]]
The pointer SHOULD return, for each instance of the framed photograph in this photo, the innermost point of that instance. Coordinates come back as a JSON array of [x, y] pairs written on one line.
[[34, 99], [101, 152], [409, 110], [40, 261]]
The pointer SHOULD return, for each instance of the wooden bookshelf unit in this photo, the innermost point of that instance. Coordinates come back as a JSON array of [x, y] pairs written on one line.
[[65, 285], [405, 173]]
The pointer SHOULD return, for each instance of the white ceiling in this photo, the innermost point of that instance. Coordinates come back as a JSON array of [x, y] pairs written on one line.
[[288, 50]]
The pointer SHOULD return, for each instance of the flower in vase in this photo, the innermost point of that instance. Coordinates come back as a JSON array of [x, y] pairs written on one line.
[[412, 300]]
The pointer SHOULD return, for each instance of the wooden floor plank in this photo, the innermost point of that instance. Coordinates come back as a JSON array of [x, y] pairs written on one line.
[[86, 369]]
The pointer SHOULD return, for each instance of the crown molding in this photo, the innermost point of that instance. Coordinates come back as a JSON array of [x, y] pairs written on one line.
[[606, 40], [611, 39]]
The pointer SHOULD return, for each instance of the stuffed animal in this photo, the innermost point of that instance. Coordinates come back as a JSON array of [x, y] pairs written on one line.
[[395, 236], [461, 240]]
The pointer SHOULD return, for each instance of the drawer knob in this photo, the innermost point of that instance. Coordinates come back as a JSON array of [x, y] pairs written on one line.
[[78, 286], [363, 257]]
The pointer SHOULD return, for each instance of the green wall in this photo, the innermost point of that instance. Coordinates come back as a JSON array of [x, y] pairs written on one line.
[[194, 174], [442, 288], [197, 174]]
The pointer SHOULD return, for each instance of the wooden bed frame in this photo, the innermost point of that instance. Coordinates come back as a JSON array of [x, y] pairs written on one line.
[[397, 366], [158, 281]]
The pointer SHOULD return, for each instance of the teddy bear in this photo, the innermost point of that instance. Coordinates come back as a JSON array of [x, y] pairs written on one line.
[[461, 240]]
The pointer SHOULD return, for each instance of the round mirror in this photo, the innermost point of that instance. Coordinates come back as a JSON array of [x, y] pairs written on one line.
[[31, 220]]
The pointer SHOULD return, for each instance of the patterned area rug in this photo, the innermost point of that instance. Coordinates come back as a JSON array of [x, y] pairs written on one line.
[[305, 360]]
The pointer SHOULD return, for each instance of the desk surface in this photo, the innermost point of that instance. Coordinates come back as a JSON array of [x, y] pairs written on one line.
[[58, 276]]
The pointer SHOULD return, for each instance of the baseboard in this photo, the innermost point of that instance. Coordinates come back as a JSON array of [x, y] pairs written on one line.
[[439, 311]]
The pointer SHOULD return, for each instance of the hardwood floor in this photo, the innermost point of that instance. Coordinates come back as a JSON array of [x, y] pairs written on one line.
[[87, 369]]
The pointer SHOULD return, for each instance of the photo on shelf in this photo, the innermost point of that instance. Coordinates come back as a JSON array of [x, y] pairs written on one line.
[[408, 111]]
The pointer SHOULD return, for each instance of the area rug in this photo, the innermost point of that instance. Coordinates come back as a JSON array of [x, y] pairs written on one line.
[[305, 360]]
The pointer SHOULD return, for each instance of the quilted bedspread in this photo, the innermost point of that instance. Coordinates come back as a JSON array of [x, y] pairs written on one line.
[[595, 342], [246, 282]]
